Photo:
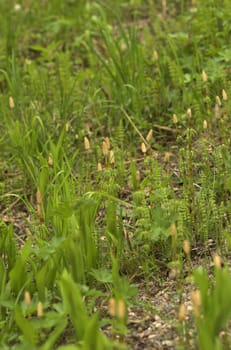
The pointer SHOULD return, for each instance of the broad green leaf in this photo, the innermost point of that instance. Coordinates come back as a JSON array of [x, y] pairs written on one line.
[[29, 332], [19, 275], [49, 344], [73, 304], [102, 275]]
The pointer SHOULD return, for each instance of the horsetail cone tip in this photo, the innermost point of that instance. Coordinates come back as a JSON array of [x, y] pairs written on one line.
[[117, 308], [149, 135], [196, 301], [173, 229], [189, 113], [182, 312], [111, 157], [155, 55], [217, 261], [27, 298], [40, 312], [50, 160], [99, 166], [87, 144], [108, 143], [105, 148], [174, 119], [186, 247], [204, 76], [218, 101], [143, 147], [224, 95], [205, 124], [11, 102], [38, 197]]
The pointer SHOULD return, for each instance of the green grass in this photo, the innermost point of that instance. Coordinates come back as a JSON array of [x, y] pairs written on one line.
[[92, 202]]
